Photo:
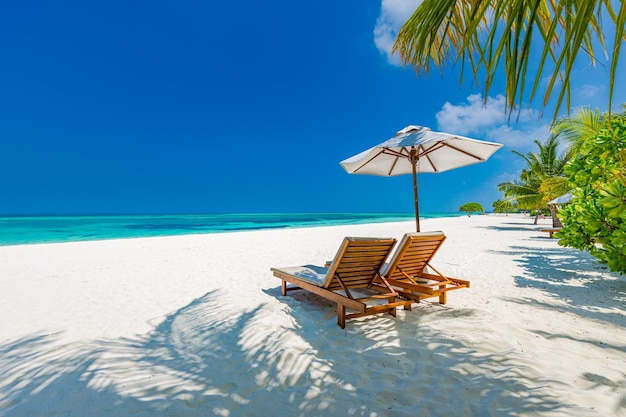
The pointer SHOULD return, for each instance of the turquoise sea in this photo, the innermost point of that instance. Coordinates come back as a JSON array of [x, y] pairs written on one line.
[[18, 230]]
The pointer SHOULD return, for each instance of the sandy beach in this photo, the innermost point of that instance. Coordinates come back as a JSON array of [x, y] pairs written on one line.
[[196, 326]]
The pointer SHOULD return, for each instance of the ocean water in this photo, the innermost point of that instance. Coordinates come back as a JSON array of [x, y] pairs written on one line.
[[18, 230]]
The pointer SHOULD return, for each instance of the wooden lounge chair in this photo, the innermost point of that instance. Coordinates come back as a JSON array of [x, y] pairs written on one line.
[[551, 231], [354, 271], [406, 271]]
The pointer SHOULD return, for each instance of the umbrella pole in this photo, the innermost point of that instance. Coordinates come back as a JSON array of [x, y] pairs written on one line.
[[414, 166]]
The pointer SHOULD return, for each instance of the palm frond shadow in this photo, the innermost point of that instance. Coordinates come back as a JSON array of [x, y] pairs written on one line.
[[417, 355], [213, 357], [576, 278], [516, 227]]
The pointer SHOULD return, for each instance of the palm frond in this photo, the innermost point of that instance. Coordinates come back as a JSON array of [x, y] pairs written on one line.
[[584, 123], [483, 35]]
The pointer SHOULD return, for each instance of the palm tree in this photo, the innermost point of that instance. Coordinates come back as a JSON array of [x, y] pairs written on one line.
[[500, 206], [523, 192], [542, 179], [584, 124], [484, 34]]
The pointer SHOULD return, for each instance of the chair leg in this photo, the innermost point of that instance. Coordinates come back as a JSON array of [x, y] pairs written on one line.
[[442, 297], [341, 315], [393, 310]]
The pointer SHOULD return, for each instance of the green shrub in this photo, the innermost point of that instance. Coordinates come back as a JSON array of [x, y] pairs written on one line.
[[470, 208], [595, 219]]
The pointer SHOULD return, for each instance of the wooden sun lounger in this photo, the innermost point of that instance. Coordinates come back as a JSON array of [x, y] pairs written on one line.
[[355, 269], [551, 231], [406, 271]]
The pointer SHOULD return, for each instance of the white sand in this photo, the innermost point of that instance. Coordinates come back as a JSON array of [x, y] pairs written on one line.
[[196, 326]]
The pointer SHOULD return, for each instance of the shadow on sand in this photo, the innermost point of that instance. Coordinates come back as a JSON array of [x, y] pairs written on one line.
[[519, 227], [584, 287], [582, 284], [214, 358]]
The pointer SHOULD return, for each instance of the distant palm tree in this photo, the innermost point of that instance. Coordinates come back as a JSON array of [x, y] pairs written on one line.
[[523, 192], [542, 179], [500, 206], [585, 123], [488, 34]]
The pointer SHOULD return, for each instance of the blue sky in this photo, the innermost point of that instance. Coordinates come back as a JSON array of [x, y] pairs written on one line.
[[242, 106]]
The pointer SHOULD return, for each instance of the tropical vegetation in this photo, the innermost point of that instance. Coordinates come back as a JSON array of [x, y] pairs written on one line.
[[504, 206], [595, 219], [536, 43], [593, 170], [470, 208], [486, 36], [542, 180]]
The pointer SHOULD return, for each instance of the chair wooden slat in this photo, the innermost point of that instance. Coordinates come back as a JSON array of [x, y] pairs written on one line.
[[355, 267], [406, 272]]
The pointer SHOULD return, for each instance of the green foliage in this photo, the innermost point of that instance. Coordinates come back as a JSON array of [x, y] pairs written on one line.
[[595, 219], [540, 212], [470, 208], [542, 180], [504, 206], [534, 44]]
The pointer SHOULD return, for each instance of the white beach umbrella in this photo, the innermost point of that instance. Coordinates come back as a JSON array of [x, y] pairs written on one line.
[[564, 199], [416, 149]]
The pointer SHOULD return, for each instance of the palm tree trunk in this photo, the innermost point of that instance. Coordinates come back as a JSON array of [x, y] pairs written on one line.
[[537, 215], [556, 222]]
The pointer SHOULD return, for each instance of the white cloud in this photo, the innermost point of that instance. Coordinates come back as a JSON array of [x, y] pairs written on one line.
[[473, 116], [393, 14], [520, 137], [592, 95], [490, 121], [589, 91], [506, 177]]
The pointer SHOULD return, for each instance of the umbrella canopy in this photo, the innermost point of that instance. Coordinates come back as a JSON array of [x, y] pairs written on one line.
[[564, 199], [417, 149]]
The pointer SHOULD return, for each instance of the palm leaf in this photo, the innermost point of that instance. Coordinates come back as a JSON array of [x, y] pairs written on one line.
[[481, 35]]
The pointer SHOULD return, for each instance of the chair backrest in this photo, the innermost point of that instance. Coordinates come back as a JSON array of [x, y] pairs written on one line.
[[413, 253], [358, 261]]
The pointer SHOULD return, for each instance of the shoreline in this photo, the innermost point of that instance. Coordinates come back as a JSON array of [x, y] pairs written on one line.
[[62, 229], [195, 325]]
